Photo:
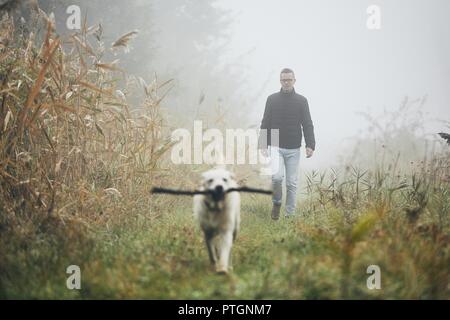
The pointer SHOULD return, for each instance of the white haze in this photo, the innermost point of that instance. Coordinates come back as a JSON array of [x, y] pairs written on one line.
[[341, 66]]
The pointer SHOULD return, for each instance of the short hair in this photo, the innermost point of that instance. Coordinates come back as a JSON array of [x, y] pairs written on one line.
[[287, 70]]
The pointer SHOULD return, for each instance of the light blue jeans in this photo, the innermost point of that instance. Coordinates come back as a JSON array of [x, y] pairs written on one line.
[[289, 159]]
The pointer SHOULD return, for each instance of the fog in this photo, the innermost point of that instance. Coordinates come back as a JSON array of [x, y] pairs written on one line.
[[225, 58], [341, 66]]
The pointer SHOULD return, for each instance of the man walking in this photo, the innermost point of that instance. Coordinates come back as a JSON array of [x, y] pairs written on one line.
[[288, 112]]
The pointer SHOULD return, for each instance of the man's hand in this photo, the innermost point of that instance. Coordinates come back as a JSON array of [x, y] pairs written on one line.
[[309, 152], [264, 152]]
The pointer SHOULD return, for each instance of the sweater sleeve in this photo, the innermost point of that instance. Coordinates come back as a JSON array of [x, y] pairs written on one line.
[[263, 142], [308, 127]]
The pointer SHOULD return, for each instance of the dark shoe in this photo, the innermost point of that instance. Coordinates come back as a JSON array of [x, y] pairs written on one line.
[[276, 211]]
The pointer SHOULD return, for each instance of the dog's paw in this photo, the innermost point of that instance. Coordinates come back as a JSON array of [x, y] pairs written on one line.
[[222, 270]]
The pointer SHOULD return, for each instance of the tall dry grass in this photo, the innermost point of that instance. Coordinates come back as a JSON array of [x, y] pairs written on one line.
[[398, 210], [73, 153]]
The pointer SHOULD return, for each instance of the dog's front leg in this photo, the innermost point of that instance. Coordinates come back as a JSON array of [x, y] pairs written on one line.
[[223, 245], [210, 246]]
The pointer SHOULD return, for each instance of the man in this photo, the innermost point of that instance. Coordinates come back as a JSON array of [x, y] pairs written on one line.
[[288, 112]]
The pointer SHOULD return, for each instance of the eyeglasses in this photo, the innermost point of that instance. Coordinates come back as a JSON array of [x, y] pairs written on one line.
[[287, 80]]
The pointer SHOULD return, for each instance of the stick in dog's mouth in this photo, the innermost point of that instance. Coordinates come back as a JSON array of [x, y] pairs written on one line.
[[209, 192]]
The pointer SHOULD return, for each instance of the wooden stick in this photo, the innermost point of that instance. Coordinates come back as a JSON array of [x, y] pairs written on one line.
[[192, 193]]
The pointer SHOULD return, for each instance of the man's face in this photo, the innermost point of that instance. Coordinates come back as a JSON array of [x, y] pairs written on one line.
[[287, 81]]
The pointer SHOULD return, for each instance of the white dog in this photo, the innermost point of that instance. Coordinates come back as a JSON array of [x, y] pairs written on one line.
[[219, 216]]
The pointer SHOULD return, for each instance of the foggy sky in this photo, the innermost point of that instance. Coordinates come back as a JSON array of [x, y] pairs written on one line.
[[341, 66]]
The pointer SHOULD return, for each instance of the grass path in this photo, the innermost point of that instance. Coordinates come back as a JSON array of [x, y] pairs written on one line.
[[165, 258]]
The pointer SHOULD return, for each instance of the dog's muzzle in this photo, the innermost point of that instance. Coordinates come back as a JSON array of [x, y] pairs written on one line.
[[218, 193]]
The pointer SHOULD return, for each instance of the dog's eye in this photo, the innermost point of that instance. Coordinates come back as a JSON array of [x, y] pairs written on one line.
[[225, 180], [210, 181]]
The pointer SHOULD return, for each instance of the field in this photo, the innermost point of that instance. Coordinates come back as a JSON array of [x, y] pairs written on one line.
[[165, 258], [77, 164]]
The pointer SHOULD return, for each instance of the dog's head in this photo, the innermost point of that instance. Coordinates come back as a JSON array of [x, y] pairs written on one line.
[[217, 181]]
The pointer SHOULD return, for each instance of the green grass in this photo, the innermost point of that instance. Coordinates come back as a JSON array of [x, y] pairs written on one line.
[[165, 258]]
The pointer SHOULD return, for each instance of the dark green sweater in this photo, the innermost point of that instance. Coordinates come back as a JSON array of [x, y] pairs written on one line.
[[288, 112]]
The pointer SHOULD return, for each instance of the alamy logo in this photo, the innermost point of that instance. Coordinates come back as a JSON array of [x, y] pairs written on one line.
[[374, 281], [211, 146], [73, 22], [374, 19], [74, 280]]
